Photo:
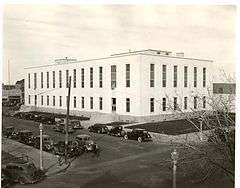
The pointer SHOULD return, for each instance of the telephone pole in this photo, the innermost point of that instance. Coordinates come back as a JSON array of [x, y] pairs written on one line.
[[67, 118]]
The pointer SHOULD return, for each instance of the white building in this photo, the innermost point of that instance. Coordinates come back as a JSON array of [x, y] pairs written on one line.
[[135, 86]]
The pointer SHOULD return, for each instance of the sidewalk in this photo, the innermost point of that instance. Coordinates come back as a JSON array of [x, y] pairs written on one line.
[[50, 161]]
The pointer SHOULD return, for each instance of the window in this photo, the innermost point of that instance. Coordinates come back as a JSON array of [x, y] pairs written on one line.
[[204, 102], [195, 76], [127, 104], [41, 79], [47, 79], [175, 76], [42, 100], [164, 75], [195, 103], [53, 100], [151, 75], [91, 102], [47, 100], [114, 105], [127, 75], [35, 100], [60, 100], [220, 90], [29, 99], [151, 104], [67, 75], [204, 77], [100, 103], [185, 103], [91, 77], [82, 74], [35, 80], [164, 104], [60, 79], [29, 80], [74, 101], [185, 76], [53, 77], [82, 102], [113, 76], [100, 77], [175, 103], [74, 78], [66, 101]]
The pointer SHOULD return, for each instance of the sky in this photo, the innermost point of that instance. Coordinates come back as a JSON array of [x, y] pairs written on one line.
[[38, 34]]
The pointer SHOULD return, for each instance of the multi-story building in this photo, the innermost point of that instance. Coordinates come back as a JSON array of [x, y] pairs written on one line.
[[139, 86]]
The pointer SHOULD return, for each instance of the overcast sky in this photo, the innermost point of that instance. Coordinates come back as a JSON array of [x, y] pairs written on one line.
[[37, 34]]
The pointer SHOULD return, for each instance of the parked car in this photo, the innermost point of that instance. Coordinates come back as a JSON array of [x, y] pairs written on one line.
[[98, 128], [26, 137], [23, 173], [76, 124], [72, 149], [9, 132], [138, 134], [116, 131], [85, 142], [47, 143], [47, 119], [60, 127]]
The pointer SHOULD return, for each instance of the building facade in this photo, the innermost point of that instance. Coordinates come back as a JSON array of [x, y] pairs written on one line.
[[137, 86]]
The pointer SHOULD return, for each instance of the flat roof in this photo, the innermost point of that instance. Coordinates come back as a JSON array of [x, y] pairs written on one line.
[[140, 52]]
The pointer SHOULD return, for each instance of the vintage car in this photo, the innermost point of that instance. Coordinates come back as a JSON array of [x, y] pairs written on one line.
[[98, 128], [72, 149], [23, 173], [9, 132], [76, 124], [116, 131], [26, 137], [60, 127], [138, 134], [85, 142], [47, 143]]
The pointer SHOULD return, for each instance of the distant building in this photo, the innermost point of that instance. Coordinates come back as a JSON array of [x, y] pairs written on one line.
[[134, 86], [11, 94], [20, 85]]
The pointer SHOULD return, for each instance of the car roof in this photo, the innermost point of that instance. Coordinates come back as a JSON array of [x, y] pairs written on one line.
[[83, 135], [139, 129]]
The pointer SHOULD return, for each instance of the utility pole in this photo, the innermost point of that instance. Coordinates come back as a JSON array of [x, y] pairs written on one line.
[[67, 118], [41, 157], [174, 156]]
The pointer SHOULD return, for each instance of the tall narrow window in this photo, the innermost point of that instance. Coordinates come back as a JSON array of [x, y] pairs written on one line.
[[185, 103], [100, 103], [29, 99], [53, 101], [164, 75], [164, 104], [113, 76], [74, 78], [91, 102], [175, 105], [195, 77], [91, 77], [67, 75], [74, 101], [185, 76], [35, 100], [42, 100], [175, 76], [151, 75], [60, 101], [29, 80], [100, 77], [60, 79], [127, 104], [47, 100], [151, 104], [195, 103], [127, 75], [82, 102], [53, 77], [41, 79], [82, 75], [35, 80], [204, 102], [47, 79], [66, 101], [204, 77]]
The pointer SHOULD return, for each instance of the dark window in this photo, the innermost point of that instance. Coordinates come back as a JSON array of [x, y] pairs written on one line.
[[127, 75], [195, 103], [47, 79], [82, 74], [74, 101], [53, 100], [100, 103], [100, 77], [195, 76], [29, 80], [220, 90], [35, 80], [67, 75], [91, 77], [164, 104], [127, 104], [91, 102], [204, 77], [82, 102], [35, 100], [175, 105], [60, 100], [53, 74], [29, 99], [113, 76], [74, 78], [204, 102], [60, 79], [47, 100], [41, 79], [42, 100], [175, 76], [164, 75], [114, 104], [151, 104], [185, 103], [151, 75], [185, 76]]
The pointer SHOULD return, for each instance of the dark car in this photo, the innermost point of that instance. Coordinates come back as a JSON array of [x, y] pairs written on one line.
[[116, 131], [72, 149], [98, 128], [76, 124], [60, 127], [47, 142], [85, 142], [26, 137], [23, 173], [47, 119], [9, 132], [138, 134]]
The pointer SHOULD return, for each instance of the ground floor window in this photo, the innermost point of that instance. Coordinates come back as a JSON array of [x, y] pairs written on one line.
[[114, 104], [53, 100], [164, 104], [35, 100], [185, 103], [91, 102], [127, 104], [75, 102], [42, 100], [204, 102], [100, 103], [175, 103], [47, 100], [82, 102], [195, 103], [29, 99], [151, 104], [60, 100]]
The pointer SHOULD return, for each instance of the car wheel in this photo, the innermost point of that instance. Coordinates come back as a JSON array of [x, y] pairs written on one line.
[[140, 139], [126, 137]]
